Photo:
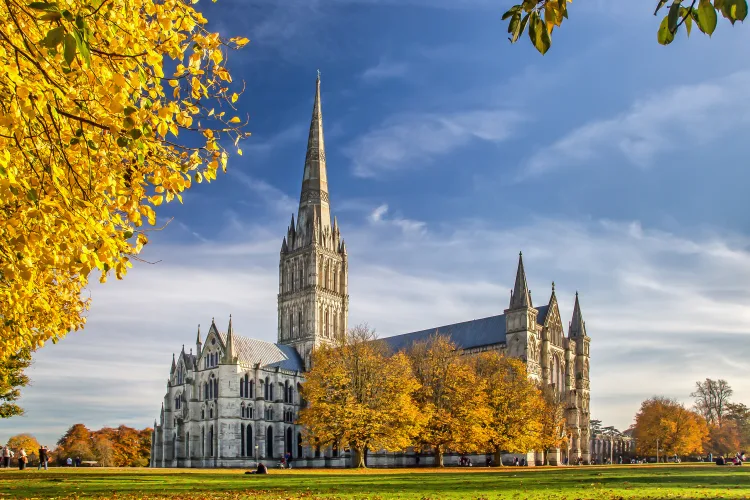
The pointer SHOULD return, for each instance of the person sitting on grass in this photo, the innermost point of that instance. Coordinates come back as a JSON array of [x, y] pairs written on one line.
[[262, 469]]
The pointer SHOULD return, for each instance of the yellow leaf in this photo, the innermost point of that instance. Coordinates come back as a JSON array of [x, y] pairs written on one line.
[[162, 128], [235, 97], [235, 119]]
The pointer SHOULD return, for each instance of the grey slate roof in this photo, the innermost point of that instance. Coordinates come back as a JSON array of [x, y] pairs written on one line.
[[252, 351], [542, 314], [466, 335]]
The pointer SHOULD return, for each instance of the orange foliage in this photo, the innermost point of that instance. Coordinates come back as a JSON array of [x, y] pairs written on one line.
[[679, 431]]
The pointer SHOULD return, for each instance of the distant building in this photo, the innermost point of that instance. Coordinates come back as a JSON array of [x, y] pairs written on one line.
[[237, 399]]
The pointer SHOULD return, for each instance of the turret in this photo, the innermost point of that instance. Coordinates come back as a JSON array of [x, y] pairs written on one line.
[[230, 358], [198, 342], [520, 324]]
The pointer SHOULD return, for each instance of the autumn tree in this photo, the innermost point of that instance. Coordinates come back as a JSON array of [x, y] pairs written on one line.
[[551, 418], [677, 430], [514, 403], [724, 440], [540, 17], [711, 399], [103, 449], [12, 378], [739, 414], [360, 396], [26, 441], [93, 97], [451, 397], [76, 442]]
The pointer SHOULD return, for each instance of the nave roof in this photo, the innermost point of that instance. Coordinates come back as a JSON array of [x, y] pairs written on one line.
[[466, 335], [267, 354]]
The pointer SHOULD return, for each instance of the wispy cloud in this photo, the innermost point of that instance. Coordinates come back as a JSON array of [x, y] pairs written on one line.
[[407, 141], [409, 226], [678, 117], [265, 145], [384, 70], [266, 194]]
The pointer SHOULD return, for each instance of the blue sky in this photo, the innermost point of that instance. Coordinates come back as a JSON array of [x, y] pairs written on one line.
[[618, 166]]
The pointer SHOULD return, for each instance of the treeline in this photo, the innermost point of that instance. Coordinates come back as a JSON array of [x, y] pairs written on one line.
[[714, 424], [109, 447], [360, 395]]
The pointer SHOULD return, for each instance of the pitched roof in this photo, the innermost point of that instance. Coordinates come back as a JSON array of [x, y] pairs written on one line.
[[466, 335], [542, 314], [267, 354]]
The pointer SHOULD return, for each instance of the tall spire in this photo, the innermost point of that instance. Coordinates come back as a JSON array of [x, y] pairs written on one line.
[[577, 326], [520, 296], [314, 195]]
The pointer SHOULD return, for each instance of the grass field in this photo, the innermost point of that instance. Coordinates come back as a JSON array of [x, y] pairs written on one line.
[[642, 481]]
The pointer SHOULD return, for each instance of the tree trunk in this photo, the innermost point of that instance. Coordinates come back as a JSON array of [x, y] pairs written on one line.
[[439, 456], [498, 458], [359, 456], [546, 457]]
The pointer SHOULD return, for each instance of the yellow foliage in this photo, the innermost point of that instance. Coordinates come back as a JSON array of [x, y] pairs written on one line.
[[84, 117], [552, 419], [359, 396], [451, 397], [515, 403]]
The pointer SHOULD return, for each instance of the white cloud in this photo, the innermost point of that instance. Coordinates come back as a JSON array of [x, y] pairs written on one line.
[[385, 70], [676, 118], [408, 226], [406, 141]]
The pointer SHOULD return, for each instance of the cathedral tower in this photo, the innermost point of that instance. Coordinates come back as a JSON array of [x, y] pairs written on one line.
[[577, 333], [313, 268], [521, 331]]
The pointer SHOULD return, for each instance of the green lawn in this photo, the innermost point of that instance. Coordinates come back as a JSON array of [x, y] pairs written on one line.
[[625, 481]]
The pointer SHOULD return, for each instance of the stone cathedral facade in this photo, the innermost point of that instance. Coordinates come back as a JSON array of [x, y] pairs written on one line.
[[235, 401]]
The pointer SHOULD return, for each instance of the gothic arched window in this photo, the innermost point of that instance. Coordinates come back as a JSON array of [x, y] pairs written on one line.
[[291, 325], [252, 388], [301, 277], [299, 323], [325, 329]]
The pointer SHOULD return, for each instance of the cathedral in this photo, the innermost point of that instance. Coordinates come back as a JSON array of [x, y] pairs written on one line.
[[235, 401]]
